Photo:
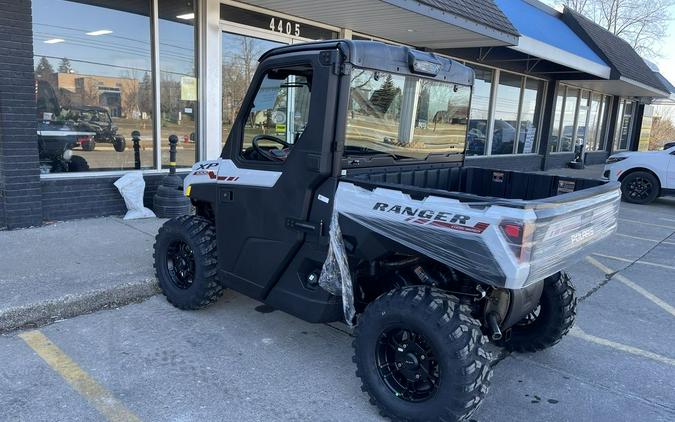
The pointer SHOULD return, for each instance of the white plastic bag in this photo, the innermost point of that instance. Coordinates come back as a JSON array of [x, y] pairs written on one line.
[[132, 186]]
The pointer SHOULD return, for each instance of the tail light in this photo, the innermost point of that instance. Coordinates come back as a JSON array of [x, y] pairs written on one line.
[[84, 139], [517, 234]]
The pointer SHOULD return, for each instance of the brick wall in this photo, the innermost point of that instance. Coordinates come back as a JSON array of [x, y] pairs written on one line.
[[596, 157], [19, 168], [89, 196], [558, 160], [510, 162]]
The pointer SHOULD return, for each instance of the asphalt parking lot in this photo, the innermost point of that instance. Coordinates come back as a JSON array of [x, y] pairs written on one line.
[[239, 360]]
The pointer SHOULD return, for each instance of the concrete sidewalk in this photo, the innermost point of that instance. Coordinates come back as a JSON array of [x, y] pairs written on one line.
[[75, 267]]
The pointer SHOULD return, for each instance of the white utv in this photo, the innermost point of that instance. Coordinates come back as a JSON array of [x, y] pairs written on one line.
[[341, 195]]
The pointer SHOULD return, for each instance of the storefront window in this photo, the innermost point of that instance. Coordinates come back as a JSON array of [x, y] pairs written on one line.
[[557, 119], [480, 111], [582, 128], [240, 55], [506, 113], [529, 116], [93, 84], [178, 79], [592, 138], [624, 125], [567, 138]]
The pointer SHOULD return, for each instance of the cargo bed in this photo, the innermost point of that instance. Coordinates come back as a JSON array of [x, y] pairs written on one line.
[[504, 228]]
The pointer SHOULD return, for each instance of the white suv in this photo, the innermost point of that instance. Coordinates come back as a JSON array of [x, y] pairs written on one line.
[[644, 176]]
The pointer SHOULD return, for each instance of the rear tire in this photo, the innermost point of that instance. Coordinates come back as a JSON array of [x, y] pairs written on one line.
[[77, 164], [449, 383], [557, 310], [119, 144], [186, 262], [640, 187]]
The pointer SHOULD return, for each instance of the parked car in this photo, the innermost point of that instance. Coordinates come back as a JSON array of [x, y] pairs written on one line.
[[644, 176]]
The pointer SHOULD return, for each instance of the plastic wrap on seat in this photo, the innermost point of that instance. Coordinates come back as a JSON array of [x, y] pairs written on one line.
[[505, 243], [335, 275]]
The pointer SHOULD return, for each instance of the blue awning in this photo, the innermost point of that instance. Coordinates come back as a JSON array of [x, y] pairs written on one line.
[[546, 36]]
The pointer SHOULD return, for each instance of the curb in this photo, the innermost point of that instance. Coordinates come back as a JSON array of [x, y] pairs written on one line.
[[46, 312]]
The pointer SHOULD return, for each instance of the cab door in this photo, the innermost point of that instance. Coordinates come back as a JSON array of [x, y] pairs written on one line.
[[276, 158]]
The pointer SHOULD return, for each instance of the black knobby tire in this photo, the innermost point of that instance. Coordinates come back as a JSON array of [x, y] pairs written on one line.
[[197, 235], [456, 344], [640, 187], [119, 144], [77, 164], [551, 321]]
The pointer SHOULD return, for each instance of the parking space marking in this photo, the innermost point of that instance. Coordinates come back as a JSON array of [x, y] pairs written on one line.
[[616, 258], [638, 238], [647, 224], [581, 334], [667, 219], [102, 399], [654, 299]]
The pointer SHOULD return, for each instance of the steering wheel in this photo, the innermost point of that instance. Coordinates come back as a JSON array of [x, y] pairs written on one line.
[[268, 153]]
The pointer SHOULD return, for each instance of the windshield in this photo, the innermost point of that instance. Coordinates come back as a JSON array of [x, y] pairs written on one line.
[[405, 116]]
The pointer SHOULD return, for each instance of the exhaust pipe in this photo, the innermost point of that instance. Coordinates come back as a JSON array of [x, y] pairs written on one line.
[[493, 325]]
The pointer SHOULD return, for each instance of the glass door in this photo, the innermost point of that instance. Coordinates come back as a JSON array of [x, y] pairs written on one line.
[[241, 47]]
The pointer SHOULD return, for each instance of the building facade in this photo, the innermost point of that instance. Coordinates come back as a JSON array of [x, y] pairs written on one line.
[[545, 82]]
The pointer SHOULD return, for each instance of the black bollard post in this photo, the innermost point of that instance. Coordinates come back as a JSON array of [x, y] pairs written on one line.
[[169, 201], [136, 139], [173, 140]]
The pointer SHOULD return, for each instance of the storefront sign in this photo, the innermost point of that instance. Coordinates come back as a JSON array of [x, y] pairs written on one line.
[[188, 88], [529, 139], [274, 23]]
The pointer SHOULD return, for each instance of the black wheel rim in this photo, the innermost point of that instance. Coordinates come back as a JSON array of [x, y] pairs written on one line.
[[407, 364], [180, 262], [530, 318], [640, 188]]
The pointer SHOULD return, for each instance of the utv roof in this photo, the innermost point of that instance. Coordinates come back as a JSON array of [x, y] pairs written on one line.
[[385, 57]]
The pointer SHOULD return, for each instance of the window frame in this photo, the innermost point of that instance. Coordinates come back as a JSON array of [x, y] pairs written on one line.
[[240, 122], [155, 53], [601, 134], [492, 103]]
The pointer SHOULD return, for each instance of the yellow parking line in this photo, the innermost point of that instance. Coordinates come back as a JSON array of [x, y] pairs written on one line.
[[653, 264], [647, 224], [657, 301], [579, 333], [103, 400]]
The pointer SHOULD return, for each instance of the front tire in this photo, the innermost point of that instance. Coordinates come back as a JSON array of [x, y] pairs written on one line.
[[420, 356], [550, 321], [186, 262], [640, 187]]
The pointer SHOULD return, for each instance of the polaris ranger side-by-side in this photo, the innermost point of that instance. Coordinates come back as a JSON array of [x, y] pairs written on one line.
[[341, 194]]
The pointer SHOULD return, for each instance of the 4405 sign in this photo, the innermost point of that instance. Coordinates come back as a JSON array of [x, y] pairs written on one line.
[[285, 27]]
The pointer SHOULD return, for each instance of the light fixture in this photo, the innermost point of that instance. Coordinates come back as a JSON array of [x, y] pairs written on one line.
[[99, 32], [54, 41], [411, 30], [186, 16]]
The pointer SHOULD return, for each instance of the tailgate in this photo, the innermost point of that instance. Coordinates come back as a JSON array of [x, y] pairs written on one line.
[[502, 244]]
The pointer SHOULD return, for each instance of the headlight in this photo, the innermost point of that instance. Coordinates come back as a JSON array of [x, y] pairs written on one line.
[[611, 160]]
